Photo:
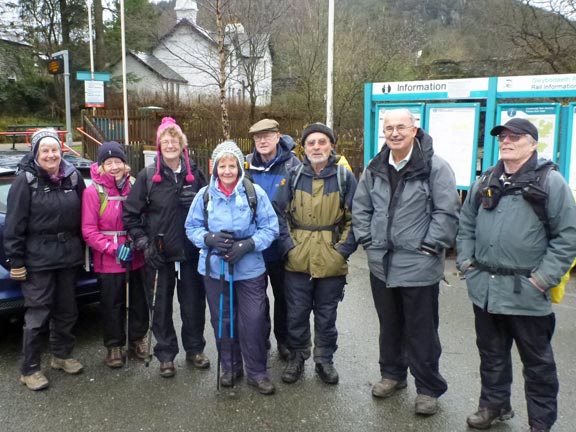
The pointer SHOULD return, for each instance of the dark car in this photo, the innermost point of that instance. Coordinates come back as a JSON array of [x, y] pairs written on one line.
[[11, 300]]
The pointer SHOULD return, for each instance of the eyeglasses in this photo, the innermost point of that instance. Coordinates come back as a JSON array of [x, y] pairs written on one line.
[[264, 136], [512, 137], [401, 128], [165, 142]]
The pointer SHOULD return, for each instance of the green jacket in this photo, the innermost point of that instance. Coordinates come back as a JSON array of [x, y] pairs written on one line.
[[316, 235], [511, 236]]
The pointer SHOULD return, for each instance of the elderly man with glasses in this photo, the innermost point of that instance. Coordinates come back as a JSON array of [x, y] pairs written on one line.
[[405, 214], [517, 237]]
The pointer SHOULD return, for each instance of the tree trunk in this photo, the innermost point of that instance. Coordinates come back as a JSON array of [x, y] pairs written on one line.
[[99, 56], [222, 80]]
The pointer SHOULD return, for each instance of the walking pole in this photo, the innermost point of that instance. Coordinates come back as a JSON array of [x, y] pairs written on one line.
[[231, 292], [220, 308], [128, 265], [159, 241]]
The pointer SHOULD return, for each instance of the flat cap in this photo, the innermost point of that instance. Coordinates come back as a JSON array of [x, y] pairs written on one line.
[[517, 125], [264, 125]]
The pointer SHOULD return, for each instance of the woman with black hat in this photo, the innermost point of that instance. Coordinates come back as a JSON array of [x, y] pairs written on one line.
[[114, 260], [43, 244]]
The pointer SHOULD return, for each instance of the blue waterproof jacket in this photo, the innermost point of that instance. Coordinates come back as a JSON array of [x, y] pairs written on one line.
[[233, 214], [269, 175]]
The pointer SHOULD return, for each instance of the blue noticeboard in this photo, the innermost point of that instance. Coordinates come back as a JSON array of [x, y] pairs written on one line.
[[546, 118], [454, 129], [570, 149]]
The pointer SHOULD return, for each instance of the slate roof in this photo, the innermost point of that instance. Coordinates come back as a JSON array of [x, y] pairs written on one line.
[[159, 67]]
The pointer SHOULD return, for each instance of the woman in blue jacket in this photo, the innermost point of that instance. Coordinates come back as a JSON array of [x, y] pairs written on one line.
[[232, 228]]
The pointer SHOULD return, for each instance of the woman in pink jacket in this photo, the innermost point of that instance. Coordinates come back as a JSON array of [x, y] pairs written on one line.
[[103, 230]]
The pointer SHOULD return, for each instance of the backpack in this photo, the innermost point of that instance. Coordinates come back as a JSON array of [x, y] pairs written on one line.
[[250, 195], [538, 190], [104, 198], [341, 176], [533, 192]]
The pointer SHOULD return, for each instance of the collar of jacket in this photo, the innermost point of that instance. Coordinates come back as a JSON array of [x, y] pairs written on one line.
[[419, 165]]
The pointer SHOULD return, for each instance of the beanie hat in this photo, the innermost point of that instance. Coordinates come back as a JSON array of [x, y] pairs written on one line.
[[111, 149], [41, 134], [168, 123], [226, 148], [318, 127]]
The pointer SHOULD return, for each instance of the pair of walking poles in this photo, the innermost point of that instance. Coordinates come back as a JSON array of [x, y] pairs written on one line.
[[220, 319], [159, 242]]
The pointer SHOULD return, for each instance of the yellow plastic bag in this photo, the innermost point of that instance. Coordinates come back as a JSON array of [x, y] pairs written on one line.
[[557, 292]]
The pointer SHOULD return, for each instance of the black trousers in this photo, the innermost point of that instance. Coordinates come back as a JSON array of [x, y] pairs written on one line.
[[113, 307], [275, 271], [304, 295], [192, 299], [50, 302], [532, 335], [409, 338]]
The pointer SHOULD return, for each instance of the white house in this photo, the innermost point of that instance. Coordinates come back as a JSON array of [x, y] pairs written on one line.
[[184, 64]]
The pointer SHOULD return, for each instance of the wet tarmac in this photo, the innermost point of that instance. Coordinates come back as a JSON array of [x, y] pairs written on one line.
[[136, 398]]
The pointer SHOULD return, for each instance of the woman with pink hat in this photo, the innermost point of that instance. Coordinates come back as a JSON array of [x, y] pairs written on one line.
[[157, 206]]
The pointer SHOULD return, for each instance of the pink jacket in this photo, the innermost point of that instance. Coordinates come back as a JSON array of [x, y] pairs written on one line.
[[103, 245]]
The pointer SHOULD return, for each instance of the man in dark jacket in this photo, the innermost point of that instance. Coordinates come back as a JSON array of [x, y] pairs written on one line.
[[314, 214], [406, 216], [269, 166], [158, 204], [511, 257]]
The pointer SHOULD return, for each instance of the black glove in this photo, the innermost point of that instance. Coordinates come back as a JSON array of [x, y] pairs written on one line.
[[141, 243], [221, 241], [152, 257], [238, 250]]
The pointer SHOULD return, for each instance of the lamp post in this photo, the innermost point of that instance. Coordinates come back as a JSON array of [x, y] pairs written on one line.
[[124, 91], [330, 64]]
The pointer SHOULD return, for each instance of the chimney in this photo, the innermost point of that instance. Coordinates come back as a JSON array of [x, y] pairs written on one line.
[[186, 9]]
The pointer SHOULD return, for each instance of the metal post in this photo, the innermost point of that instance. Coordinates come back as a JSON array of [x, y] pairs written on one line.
[[330, 64], [64, 55], [124, 89]]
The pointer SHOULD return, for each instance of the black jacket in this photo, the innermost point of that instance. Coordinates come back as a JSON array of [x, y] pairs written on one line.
[[43, 224], [163, 208]]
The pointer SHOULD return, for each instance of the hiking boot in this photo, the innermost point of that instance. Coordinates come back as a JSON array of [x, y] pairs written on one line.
[[387, 387], [485, 417], [226, 378], [36, 381], [70, 366], [327, 373], [140, 348], [114, 358], [263, 385], [283, 351], [426, 405], [167, 369], [293, 370], [535, 429], [199, 361]]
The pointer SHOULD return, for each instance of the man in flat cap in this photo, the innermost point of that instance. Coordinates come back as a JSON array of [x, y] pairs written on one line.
[[268, 166], [517, 237]]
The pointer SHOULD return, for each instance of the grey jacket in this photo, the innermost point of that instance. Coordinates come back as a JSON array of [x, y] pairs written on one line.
[[511, 236], [405, 241]]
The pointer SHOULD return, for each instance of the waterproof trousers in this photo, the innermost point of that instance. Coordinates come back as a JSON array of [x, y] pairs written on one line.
[[113, 308], [275, 272], [50, 306], [192, 299], [409, 338], [249, 344], [532, 336], [304, 295]]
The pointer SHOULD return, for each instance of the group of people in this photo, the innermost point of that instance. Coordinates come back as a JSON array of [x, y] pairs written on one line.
[[270, 217]]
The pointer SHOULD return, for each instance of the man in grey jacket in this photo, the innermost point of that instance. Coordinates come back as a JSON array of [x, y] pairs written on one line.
[[512, 253], [405, 214]]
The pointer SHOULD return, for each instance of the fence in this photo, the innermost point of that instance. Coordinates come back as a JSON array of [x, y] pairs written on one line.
[[202, 131]]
